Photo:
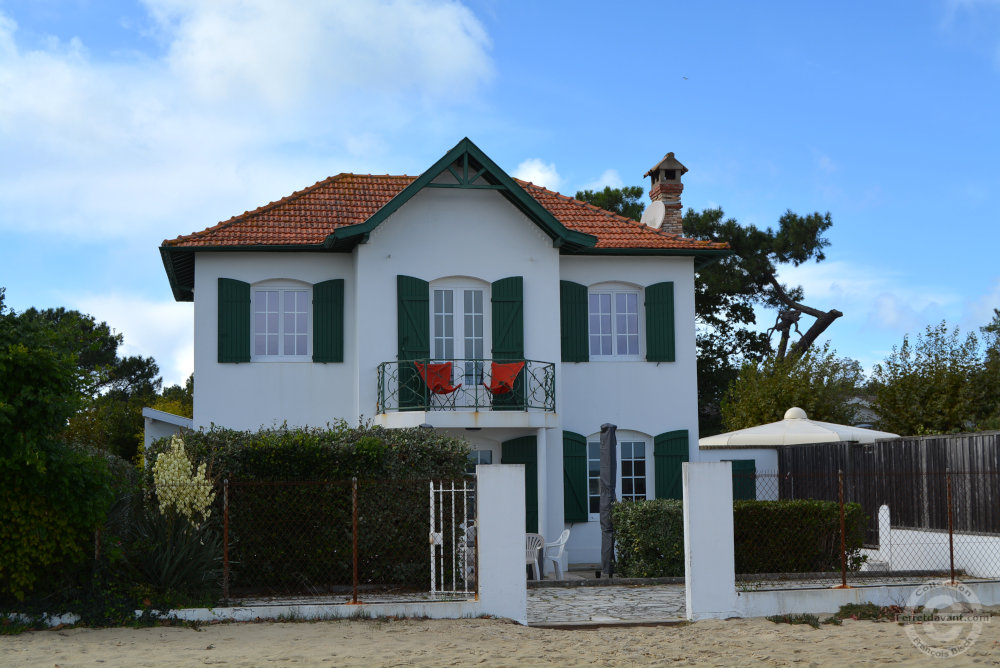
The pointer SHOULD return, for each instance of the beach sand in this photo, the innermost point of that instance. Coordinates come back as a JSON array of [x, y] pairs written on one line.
[[481, 642]]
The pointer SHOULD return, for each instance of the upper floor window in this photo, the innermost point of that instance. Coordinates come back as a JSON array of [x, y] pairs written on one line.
[[613, 315], [281, 321], [459, 324]]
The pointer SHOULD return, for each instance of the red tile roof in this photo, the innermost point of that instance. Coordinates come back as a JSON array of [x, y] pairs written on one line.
[[308, 216]]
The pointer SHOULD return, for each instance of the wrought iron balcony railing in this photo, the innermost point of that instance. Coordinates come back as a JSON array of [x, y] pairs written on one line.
[[467, 384]]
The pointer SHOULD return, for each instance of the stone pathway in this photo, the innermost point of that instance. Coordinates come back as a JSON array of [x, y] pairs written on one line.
[[630, 603]]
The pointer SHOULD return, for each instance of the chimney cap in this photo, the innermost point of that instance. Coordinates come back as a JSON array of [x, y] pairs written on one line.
[[668, 162]]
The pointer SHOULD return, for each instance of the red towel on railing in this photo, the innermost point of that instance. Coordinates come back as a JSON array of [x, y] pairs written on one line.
[[502, 376], [437, 375]]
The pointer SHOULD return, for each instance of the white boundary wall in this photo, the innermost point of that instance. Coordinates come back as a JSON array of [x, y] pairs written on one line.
[[924, 549], [709, 560]]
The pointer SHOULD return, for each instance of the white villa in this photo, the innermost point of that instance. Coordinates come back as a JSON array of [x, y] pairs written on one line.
[[464, 299]]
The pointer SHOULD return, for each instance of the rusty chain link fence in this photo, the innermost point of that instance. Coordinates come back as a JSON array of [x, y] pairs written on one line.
[[838, 529], [342, 540]]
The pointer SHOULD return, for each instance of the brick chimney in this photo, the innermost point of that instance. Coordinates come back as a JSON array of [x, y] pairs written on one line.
[[665, 190]]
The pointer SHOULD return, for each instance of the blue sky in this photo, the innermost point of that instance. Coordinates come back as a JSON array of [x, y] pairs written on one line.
[[125, 123]]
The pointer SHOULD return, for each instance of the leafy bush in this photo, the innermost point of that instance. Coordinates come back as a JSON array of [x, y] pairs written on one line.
[[50, 509], [649, 538], [797, 536], [338, 452], [292, 535], [800, 536]]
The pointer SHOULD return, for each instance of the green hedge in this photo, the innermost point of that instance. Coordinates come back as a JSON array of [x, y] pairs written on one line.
[[294, 537], [338, 452], [649, 538], [798, 536]]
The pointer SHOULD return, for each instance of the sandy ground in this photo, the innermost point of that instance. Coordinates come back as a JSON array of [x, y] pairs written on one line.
[[482, 642]]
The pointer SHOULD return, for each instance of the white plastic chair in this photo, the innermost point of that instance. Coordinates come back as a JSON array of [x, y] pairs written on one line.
[[532, 544], [553, 552]]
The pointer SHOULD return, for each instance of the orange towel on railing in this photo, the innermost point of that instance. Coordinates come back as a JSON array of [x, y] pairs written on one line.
[[502, 377], [437, 375]]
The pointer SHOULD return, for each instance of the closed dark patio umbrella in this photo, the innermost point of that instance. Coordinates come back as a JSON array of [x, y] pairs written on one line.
[[609, 467]]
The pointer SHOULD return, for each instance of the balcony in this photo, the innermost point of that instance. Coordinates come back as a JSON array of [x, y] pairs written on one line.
[[466, 385]]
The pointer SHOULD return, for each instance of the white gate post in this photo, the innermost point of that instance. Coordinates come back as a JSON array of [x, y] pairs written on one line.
[[709, 560], [503, 589]]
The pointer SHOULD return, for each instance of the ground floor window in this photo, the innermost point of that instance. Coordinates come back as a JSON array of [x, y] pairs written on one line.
[[631, 478], [477, 457]]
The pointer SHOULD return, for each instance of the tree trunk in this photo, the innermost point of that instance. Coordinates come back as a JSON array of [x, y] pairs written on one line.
[[823, 320]]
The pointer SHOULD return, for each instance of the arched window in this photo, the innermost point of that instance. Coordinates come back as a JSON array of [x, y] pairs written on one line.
[[281, 320]]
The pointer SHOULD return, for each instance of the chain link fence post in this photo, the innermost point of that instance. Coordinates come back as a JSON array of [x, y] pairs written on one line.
[[225, 540], [843, 532], [951, 529], [354, 534]]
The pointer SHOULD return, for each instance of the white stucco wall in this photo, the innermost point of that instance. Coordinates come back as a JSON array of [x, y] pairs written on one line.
[[248, 396], [443, 233], [642, 398]]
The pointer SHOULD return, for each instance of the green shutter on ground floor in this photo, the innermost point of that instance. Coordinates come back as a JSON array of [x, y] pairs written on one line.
[[328, 321], [573, 321], [524, 450], [575, 477], [660, 337], [744, 479], [234, 320], [670, 451]]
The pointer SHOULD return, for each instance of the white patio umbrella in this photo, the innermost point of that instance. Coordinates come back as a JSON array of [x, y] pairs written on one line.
[[795, 429]]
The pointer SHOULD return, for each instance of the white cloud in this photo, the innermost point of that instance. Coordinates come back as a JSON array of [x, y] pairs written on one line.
[[163, 330], [202, 130], [872, 297], [610, 177], [539, 173]]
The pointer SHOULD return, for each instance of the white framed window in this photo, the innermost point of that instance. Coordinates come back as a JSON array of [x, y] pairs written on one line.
[[614, 322], [460, 326], [281, 321], [631, 479], [477, 457]]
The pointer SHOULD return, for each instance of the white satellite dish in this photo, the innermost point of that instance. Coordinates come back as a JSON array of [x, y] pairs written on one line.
[[654, 214]]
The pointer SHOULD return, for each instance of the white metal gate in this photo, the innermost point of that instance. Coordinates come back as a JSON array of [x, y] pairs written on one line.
[[453, 538]]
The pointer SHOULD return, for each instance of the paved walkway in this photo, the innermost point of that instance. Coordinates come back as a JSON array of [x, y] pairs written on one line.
[[605, 604]]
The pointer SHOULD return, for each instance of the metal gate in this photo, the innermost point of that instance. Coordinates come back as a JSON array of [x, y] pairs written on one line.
[[453, 544]]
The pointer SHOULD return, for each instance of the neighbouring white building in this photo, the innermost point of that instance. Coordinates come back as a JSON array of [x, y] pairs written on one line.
[[487, 307]]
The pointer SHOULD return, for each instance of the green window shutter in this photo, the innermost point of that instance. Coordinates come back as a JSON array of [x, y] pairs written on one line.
[[670, 451], [508, 318], [524, 450], [507, 297], [575, 477], [328, 321], [234, 320], [660, 322], [573, 321], [744, 480], [414, 335]]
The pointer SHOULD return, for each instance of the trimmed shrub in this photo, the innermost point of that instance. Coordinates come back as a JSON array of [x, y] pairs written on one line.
[[649, 538], [338, 452], [287, 536], [796, 536]]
